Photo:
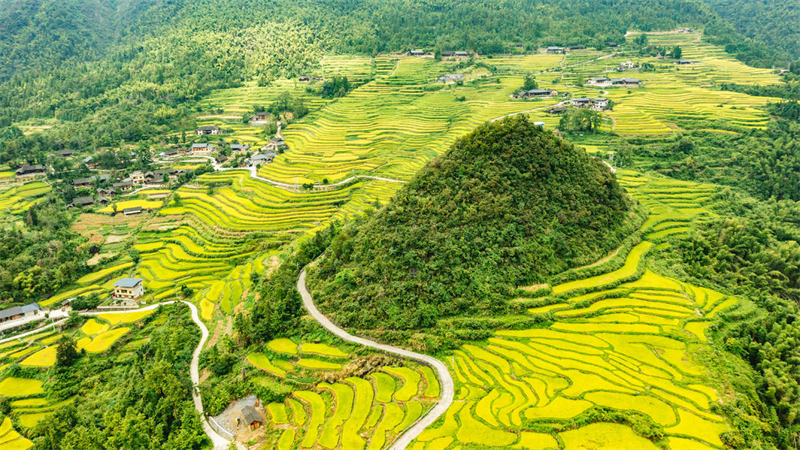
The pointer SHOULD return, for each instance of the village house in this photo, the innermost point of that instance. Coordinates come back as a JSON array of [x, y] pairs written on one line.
[[65, 153], [612, 44], [304, 79], [90, 163], [581, 102], [108, 192], [221, 159], [625, 82], [627, 65], [684, 62], [208, 129], [19, 312], [275, 144], [576, 47], [27, 170], [103, 201], [556, 110], [203, 147], [171, 153], [137, 177], [251, 417], [554, 49], [129, 290], [124, 185], [132, 211], [600, 104], [83, 182], [538, 93], [461, 54], [263, 158], [81, 202], [416, 53], [448, 53], [450, 78], [600, 81], [239, 149], [259, 118]]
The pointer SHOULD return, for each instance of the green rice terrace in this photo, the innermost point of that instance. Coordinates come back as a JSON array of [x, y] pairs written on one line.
[[664, 326]]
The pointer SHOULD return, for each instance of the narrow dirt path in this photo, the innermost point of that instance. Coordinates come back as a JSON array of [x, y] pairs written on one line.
[[445, 379]]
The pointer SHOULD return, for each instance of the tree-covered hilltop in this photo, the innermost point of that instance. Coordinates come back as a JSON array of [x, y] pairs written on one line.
[[507, 205]]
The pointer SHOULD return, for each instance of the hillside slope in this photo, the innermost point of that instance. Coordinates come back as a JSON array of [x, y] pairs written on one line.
[[508, 204]]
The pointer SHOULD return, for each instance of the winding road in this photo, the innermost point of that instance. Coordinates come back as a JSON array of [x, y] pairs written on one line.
[[220, 443], [446, 381]]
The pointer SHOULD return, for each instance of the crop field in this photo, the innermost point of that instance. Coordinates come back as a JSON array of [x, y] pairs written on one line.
[[10, 439], [353, 413], [18, 199], [205, 241], [627, 348], [391, 126]]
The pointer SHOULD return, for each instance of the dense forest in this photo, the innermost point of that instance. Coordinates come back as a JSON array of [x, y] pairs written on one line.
[[507, 205], [773, 22]]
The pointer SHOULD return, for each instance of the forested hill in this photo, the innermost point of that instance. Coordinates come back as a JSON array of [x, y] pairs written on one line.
[[776, 23], [508, 204]]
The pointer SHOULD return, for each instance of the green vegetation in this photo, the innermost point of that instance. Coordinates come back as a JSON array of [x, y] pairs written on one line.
[[508, 205]]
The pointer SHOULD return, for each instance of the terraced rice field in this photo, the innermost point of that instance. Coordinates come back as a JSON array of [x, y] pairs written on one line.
[[10, 439], [626, 347], [206, 241], [18, 199], [391, 126], [353, 413]]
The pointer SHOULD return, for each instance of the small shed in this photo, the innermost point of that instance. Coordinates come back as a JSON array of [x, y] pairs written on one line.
[[251, 417], [133, 210]]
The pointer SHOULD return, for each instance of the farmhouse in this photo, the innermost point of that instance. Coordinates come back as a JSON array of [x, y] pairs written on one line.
[[132, 211], [258, 118], [128, 289], [202, 147], [556, 110], [275, 144], [83, 182], [416, 53], [251, 417], [625, 82], [576, 47], [460, 53], [83, 201], [239, 148], [450, 78], [600, 81], [108, 192], [169, 153], [137, 177], [221, 159], [19, 312], [627, 65], [65, 153], [581, 102], [263, 158], [448, 53], [27, 170], [209, 129], [124, 185], [612, 44], [555, 49], [538, 93], [600, 104]]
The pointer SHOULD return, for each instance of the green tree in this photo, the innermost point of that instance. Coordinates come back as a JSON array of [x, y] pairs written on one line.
[[677, 52], [66, 352]]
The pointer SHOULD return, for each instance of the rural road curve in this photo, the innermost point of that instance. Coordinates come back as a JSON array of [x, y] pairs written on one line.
[[446, 381], [220, 443]]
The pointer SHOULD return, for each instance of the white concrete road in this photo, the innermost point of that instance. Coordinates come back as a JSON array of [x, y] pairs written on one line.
[[445, 380], [220, 443]]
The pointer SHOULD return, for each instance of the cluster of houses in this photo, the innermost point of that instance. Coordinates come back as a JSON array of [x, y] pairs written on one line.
[[614, 82]]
